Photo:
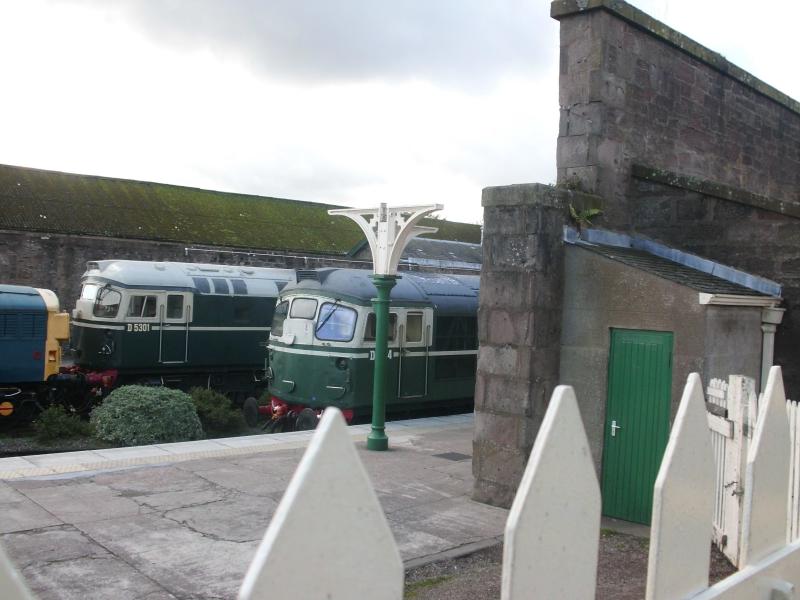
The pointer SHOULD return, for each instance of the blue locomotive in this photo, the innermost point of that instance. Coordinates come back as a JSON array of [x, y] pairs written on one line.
[[32, 330]]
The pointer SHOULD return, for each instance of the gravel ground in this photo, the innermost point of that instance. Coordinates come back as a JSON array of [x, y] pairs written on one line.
[[622, 570]]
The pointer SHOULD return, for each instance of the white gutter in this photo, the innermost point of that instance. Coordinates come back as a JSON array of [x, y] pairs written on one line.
[[737, 300]]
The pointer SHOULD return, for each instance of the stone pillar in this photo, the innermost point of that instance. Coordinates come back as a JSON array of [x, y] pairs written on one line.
[[519, 328]]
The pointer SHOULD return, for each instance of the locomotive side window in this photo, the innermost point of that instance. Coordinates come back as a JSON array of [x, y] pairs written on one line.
[[303, 308], [202, 285], [142, 307], [174, 306], [414, 327], [107, 303], [456, 333], [278, 317], [239, 286], [220, 286], [369, 330], [336, 323]]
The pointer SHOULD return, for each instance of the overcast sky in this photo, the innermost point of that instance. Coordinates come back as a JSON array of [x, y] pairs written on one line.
[[353, 102]]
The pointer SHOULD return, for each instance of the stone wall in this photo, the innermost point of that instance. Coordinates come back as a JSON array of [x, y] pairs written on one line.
[[687, 148], [519, 328], [57, 262]]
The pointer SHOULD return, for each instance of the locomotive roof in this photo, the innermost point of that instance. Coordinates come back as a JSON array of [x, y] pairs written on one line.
[[21, 297], [261, 281], [448, 293]]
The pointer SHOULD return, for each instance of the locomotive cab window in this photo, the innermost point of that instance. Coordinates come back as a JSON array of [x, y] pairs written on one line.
[[278, 317], [89, 291], [369, 330], [174, 306], [143, 307], [303, 308], [107, 303], [336, 323]]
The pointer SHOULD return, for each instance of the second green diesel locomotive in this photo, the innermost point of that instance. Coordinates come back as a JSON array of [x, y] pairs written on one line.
[[322, 345], [175, 324]]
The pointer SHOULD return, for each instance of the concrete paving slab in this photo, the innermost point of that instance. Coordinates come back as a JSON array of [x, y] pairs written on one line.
[[134, 452], [188, 563], [238, 518], [14, 463], [460, 521], [20, 513], [245, 480], [61, 562], [82, 502], [64, 458], [248, 441], [163, 488], [193, 447]]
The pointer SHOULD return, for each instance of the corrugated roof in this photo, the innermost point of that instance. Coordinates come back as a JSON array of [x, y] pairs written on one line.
[[55, 202], [667, 269]]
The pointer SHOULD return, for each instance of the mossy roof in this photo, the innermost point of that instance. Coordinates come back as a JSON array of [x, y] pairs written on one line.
[[56, 202]]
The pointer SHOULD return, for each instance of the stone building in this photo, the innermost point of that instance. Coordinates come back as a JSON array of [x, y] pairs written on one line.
[[678, 147], [52, 223]]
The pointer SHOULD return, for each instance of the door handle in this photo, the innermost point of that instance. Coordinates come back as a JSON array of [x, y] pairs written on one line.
[[614, 428]]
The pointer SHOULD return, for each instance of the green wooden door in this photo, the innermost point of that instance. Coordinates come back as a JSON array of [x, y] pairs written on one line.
[[637, 421]]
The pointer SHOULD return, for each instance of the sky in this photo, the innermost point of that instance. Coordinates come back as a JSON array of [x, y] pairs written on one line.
[[349, 102]]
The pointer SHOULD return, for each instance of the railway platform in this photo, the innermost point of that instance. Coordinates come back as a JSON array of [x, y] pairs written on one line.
[[184, 520]]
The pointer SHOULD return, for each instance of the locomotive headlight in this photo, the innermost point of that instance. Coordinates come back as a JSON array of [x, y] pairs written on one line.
[[341, 363]]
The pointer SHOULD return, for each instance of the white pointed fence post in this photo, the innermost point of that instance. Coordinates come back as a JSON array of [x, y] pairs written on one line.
[[328, 539], [683, 503], [12, 584], [767, 479], [553, 528]]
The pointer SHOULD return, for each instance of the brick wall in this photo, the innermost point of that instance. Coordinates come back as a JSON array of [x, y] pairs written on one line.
[[686, 148]]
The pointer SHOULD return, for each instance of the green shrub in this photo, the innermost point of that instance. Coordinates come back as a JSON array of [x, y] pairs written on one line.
[[55, 423], [216, 413], [137, 415]]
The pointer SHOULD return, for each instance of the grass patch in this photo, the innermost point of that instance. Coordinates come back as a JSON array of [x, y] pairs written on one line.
[[412, 589]]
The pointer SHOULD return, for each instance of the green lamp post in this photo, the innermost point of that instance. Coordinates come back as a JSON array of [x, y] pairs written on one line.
[[388, 231]]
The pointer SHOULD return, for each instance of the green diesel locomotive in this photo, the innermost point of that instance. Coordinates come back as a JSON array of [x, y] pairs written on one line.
[[322, 345], [175, 324]]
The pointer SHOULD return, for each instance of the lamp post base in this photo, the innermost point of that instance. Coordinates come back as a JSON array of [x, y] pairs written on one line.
[[377, 440]]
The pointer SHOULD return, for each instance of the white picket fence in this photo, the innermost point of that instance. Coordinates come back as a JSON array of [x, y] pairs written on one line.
[[732, 416], [329, 538]]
